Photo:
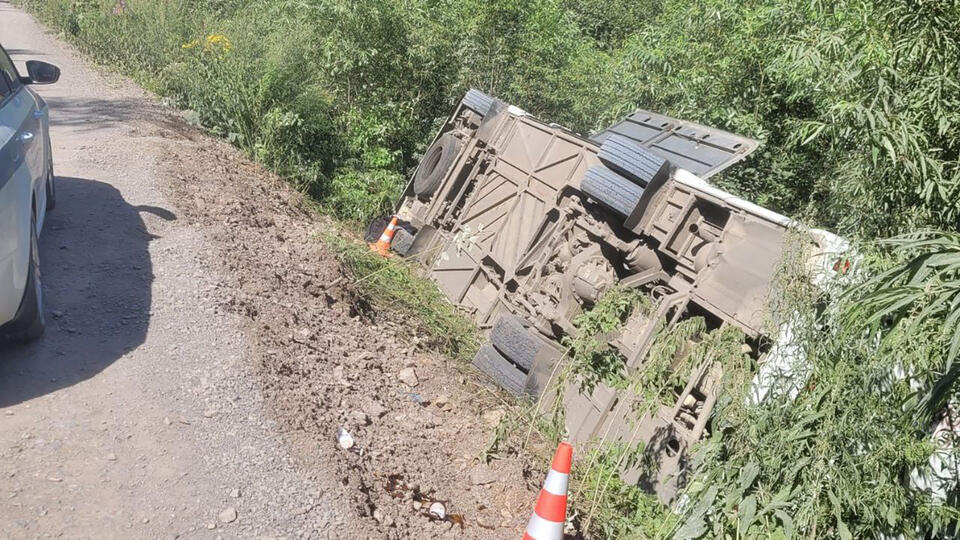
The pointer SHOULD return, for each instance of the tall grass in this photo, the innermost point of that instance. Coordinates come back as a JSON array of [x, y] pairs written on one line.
[[396, 283]]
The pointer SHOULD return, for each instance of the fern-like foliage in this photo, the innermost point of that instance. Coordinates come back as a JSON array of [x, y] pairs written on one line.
[[921, 290]]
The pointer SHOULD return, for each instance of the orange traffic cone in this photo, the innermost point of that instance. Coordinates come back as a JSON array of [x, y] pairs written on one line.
[[548, 517], [382, 246]]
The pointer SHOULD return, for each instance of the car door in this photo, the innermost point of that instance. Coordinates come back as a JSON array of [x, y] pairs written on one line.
[[21, 112], [17, 189]]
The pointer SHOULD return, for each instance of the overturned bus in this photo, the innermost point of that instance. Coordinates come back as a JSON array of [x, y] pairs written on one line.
[[524, 225]]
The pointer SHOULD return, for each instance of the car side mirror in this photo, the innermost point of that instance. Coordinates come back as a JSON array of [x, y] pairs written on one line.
[[41, 73]]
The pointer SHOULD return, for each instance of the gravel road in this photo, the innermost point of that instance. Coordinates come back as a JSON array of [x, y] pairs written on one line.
[[198, 366], [137, 414]]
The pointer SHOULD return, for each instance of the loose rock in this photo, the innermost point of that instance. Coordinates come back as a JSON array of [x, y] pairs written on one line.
[[486, 522], [228, 515], [408, 376], [482, 475], [375, 410]]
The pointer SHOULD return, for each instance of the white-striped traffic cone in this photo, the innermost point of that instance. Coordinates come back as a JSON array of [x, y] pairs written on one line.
[[382, 246], [548, 517]]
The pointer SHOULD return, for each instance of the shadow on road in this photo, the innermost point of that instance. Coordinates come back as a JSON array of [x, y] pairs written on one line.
[[94, 114], [97, 277]]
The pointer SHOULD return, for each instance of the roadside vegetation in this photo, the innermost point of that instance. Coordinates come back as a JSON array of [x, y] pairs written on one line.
[[395, 283], [857, 103]]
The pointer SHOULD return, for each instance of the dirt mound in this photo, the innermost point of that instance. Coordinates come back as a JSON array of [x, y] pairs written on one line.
[[416, 422]]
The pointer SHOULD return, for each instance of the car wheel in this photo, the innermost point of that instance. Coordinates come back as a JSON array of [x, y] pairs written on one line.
[[30, 322], [402, 242], [51, 190], [494, 365], [611, 190], [513, 340], [632, 161], [478, 101], [435, 164]]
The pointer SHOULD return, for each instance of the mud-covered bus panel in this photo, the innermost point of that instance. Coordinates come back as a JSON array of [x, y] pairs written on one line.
[[702, 150], [513, 237]]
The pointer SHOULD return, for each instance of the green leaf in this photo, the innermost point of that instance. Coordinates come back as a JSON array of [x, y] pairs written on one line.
[[746, 511], [781, 496], [704, 503], [786, 521], [835, 501], [747, 475], [892, 516], [844, 531], [692, 528]]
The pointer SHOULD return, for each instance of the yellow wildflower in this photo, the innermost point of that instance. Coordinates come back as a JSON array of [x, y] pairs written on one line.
[[218, 43]]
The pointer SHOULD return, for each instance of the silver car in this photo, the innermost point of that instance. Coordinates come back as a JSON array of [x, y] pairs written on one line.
[[27, 192]]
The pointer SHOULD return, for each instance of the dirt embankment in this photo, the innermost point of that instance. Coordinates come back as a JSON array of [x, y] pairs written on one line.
[[328, 361]]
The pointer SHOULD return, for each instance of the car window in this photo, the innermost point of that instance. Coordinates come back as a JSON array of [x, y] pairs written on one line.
[[9, 73], [4, 88]]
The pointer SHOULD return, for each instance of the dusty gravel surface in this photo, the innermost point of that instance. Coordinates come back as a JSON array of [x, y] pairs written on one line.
[[196, 370]]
